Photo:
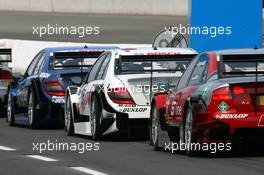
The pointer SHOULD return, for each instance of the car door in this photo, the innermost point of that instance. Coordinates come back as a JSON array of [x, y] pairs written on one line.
[[25, 83], [189, 83]]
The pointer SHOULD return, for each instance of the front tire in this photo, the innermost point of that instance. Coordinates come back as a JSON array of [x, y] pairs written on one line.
[[32, 111], [95, 118], [10, 109], [3, 113], [69, 126]]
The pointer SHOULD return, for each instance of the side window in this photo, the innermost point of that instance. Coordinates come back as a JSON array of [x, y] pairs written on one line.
[[199, 73], [40, 62], [32, 65], [186, 75], [95, 68], [213, 77], [102, 71]]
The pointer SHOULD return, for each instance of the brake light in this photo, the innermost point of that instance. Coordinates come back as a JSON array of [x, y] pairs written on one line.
[[6, 75], [222, 94], [238, 90], [54, 88], [120, 96]]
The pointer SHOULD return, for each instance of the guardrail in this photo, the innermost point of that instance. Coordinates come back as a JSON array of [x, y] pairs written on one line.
[[151, 7]]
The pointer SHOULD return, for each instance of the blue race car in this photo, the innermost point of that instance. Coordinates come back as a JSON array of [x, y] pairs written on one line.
[[37, 99]]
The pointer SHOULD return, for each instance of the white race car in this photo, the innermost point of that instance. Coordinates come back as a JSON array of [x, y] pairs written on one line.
[[116, 94]]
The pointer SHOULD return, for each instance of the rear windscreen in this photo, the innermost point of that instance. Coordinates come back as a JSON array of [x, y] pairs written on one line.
[[5, 55], [71, 60], [241, 65], [146, 64]]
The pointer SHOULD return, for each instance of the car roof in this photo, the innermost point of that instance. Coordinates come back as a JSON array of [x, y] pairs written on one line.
[[86, 47], [146, 51], [239, 51]]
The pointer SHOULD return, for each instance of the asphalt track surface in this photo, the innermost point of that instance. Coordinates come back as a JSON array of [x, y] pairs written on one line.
[[114, 157], [113, 28]]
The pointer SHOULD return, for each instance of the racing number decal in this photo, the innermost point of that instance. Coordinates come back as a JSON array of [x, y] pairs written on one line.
[[175, 109]]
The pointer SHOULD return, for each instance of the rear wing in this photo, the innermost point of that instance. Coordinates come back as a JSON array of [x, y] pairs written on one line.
[[240, 65], [151, 59], [173, 63], [5, 55], [75, 59]]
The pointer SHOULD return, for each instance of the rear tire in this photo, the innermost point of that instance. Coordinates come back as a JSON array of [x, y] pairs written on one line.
[[32, 111], [69, 126], [95, 118], [189, 135], [155, 128], [10, 109]]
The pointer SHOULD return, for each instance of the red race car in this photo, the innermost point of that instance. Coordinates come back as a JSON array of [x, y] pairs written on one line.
[[219, 99]]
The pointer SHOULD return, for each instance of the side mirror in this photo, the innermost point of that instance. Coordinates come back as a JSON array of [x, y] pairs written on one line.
[[195, 98]]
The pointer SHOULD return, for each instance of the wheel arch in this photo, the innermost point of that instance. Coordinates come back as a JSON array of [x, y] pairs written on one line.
[[187, 104], [69, 95], [160, 109], [34, 87]]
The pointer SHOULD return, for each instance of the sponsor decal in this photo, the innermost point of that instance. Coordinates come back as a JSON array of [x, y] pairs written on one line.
[[163, 53], [57, 99], [134, 110], [231, 116], [175, 109], [44, 75], [91, 50], [126, 105], [223, 107]]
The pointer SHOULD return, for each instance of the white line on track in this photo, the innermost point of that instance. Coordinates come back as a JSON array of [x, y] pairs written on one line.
[[4, 148], [88, 171], [43, 158]]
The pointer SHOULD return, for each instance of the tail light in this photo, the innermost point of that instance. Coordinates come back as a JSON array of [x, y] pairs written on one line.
[[120, 96], [222, 94], [238, 90], [53, 88], [6, 75]]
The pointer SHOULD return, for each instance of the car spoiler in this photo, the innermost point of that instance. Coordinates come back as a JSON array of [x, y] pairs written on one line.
[[74, 55], [243, 58], [159, 58], [153, 58], [5, 55]]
